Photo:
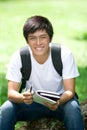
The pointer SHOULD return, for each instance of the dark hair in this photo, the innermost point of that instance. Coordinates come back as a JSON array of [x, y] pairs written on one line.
[[35, 23]]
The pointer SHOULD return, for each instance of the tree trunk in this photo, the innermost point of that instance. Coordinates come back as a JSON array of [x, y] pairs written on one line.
[[53, 124]]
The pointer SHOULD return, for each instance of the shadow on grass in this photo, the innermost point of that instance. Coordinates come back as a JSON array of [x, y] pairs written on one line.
[[80, 36], [3, 88], [81, 86]]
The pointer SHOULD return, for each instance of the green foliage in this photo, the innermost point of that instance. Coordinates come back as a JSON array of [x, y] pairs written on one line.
[[3, 88], [81, 35]]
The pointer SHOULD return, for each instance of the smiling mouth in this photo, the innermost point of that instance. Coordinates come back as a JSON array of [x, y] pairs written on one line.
[[39, 48]]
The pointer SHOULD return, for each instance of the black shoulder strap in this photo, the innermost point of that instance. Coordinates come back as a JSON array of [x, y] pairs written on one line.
[[56, 58], [26, 65], [57, 61]]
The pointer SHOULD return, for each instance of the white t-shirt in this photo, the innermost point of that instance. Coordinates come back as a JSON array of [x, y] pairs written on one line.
[[44, 76]]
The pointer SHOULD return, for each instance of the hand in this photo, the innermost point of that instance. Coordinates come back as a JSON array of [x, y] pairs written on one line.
[[52, 107], [28, 97]]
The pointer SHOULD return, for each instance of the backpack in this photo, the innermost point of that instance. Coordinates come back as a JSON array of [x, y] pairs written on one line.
[[26, 62]]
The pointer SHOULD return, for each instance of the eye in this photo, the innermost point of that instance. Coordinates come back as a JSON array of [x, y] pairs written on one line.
[[43, 37], [32, 38]]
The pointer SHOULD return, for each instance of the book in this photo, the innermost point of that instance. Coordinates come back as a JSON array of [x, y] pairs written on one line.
[[41, 97]]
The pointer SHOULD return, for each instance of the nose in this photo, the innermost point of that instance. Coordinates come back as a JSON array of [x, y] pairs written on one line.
[[38, 42]]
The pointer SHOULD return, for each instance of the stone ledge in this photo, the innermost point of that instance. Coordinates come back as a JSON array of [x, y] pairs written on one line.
[[53, 124]]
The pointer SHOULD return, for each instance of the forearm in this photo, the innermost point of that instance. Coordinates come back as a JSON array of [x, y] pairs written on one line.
[[15, 96], [66, 96], [69, 87]]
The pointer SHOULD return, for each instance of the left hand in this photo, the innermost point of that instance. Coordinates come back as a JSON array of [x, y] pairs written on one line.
[[52, 107], [28, 97]]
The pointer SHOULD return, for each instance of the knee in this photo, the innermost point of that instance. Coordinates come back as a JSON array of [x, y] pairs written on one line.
[[72, 107], [7, 108], [72, 115]]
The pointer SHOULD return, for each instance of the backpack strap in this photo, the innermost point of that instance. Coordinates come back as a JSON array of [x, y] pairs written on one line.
[[56, 58], [26, 66]]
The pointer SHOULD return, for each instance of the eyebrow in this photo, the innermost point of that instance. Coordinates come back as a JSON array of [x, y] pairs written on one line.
[[35, 36]]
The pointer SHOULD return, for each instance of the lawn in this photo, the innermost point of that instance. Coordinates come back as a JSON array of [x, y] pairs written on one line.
[[69, 19]]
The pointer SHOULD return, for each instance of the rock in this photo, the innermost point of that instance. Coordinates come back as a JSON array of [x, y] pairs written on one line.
[[83, 106], [44, 124], [53, 124]]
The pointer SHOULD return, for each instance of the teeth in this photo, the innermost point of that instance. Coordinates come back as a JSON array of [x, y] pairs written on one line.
[[38, 49]]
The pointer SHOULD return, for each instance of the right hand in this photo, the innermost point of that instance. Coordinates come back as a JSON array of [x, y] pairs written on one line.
[[28, 97]]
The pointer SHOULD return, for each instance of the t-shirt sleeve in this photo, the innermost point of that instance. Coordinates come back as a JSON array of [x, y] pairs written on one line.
[[13, 72], [70, 69]]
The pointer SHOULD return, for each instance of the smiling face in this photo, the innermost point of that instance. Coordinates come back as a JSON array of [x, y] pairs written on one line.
[[39, 44]]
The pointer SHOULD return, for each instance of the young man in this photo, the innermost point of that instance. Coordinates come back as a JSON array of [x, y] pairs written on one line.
[[38, 32]]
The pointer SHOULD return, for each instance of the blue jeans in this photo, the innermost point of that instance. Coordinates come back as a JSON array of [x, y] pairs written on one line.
[[69, 112]]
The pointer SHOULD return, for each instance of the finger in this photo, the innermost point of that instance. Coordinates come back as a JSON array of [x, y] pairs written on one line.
[[27, 94], [27, 97], [51, 106], [28, 101]]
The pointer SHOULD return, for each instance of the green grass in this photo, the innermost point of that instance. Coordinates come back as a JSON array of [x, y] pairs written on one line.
[[81, 87], [3, 88], [69, 19]]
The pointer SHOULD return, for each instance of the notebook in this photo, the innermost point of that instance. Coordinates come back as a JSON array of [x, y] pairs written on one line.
[[41, 96]]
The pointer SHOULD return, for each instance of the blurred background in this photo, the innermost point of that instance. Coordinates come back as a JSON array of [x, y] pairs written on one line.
[[69, 19]]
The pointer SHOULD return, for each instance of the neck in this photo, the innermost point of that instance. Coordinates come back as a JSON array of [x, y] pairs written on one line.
[[43, 58]]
